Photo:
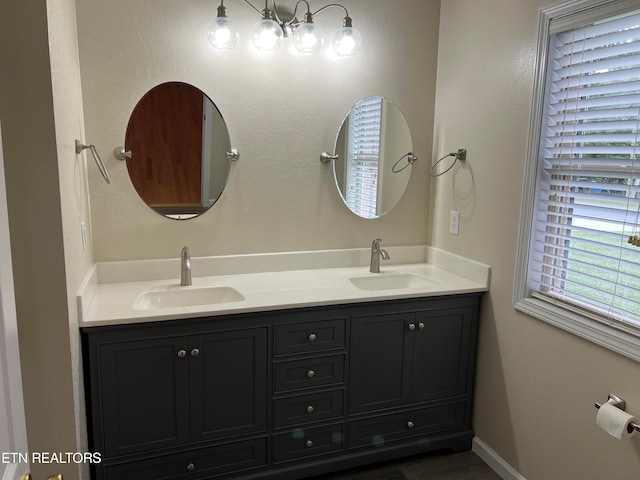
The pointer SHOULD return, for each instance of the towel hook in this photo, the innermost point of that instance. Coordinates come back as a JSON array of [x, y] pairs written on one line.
[[80, 147]]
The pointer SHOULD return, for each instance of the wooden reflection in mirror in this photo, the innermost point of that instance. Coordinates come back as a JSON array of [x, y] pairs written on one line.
[[178, 141]]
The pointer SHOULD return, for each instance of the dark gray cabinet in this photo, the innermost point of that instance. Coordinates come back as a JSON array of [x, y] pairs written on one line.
[[386, 428], [209, 462], [228, 379], [380, 361], [281, 395], [150, 394], [441, 348], [309, 378], [400, 358], [144, 396]]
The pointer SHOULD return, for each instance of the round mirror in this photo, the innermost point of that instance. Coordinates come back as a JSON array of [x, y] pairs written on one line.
[[178, 142], [374, 157]]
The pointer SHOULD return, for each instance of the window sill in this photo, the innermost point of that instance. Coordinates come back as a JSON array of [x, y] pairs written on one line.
[[601, 334]]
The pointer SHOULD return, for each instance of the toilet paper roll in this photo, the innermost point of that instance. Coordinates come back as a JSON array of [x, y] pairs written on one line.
[[615, 421]]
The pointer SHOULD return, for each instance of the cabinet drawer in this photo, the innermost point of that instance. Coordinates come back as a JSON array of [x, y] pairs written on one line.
[[307, 408], [310, 336], [310, 372], [307, 442], [384, 429], [200, 463]]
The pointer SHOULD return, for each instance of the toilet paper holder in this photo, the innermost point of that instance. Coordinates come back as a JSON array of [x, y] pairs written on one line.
[[618, 402]]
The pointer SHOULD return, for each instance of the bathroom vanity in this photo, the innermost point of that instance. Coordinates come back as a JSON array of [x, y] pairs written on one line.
[[282, 393]]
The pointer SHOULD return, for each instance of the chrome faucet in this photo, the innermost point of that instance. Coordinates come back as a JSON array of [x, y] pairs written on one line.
[[185, 267], [376, 253]]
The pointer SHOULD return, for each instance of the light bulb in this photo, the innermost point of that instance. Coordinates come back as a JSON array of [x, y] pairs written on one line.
[[267, 35], [347, 40], [308, 37], [222, 33]]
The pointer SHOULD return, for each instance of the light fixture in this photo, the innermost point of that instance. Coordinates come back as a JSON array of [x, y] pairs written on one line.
[[275, 25], [222, 32]]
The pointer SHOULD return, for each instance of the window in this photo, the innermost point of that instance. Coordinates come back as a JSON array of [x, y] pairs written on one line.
[[579, 261], [363, 152]]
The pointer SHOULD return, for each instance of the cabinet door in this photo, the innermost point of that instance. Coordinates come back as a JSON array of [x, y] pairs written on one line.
[[380, 361], [144, 395], [441, 353], [228, 383]]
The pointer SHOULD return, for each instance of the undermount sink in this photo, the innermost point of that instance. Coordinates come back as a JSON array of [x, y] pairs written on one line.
[[175, 297], [392, 281]]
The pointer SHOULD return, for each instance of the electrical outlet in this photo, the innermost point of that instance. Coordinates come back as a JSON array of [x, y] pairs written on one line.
[[454, 222], [83, 230]]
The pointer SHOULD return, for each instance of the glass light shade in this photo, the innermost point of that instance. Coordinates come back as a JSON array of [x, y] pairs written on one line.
[[267, 35], [308, 38], [347, 41], [222, 33]]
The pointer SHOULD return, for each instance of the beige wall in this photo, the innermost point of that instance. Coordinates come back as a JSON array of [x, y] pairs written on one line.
[[281, 109], [74, 195], [41, 111], [536, 384]]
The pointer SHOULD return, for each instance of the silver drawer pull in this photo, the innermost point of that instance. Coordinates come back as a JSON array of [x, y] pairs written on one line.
[[421, 326], [182, 353], [191, 467], [410, 424], [311, 373], [312, 337], [195, 352], [310, 409], [412, 326], [309, 443]]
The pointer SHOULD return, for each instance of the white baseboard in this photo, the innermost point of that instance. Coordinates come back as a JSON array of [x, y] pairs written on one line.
[[495, 461]]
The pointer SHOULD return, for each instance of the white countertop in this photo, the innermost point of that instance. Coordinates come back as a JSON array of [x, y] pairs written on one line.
[[111, 302]]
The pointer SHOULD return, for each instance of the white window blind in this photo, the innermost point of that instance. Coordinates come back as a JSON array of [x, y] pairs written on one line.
[[588, 187], [363, 152]]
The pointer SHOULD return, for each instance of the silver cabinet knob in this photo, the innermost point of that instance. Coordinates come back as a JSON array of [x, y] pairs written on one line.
[[311, 373], [195, 352], [421, 326], [191, 467], [312, 337], [309, 443], [412, 326], [410, 424], [182, 353], [310, 409]]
